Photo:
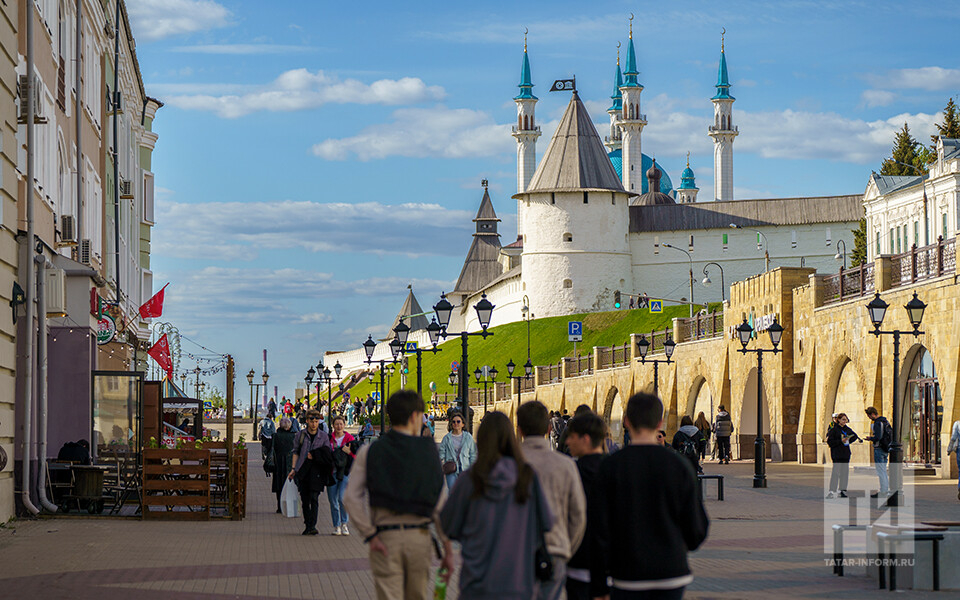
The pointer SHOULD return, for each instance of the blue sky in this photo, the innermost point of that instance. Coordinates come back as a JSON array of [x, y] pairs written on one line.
[[317, 157]]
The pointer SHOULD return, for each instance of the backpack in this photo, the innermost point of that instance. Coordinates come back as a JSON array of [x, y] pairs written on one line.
[[688, 448]]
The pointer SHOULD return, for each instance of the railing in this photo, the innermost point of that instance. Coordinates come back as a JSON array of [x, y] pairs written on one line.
[[702, 327], [850, 283], [526, 384], [501, 390], [581, 365], [656, 339], [927, 262], [549, 374]]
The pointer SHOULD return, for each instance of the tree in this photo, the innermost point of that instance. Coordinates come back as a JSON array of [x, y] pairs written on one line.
[[858, 255], [905, 152], [950, 127]]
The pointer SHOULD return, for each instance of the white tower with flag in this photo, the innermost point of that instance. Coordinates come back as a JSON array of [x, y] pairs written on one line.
[[526, 131], [723, 132]]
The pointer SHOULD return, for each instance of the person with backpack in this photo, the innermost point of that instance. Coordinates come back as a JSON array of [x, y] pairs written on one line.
[[881, 435], [688, 441], [312, 468], [704, 426], [723, 430]]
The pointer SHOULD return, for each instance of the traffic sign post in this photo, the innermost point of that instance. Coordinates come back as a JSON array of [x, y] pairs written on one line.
[[656, 306], [575, 333]]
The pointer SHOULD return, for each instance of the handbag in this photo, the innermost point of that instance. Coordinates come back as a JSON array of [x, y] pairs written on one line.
[[269, 463], [449, 467], [543, 562]]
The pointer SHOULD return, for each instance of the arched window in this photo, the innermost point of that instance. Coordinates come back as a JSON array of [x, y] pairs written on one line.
[[567, 283], [568, 237], [520, 122]]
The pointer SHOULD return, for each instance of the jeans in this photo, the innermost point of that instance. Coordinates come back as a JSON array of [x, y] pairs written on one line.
[[338, 512], [556, 588], [880, 463], [309, 500], [957, 454], [674, 594], [723, 448], [451, 479]]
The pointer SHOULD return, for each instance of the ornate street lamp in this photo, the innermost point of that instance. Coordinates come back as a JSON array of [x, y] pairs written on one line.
[[369, 347], [643, 347], [744, 333]]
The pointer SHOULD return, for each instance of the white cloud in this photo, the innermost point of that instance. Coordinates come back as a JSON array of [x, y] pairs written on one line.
[[872, 98], [314, 318], [509, 32], [421, 132], [300, 89], [244, 49], [235, 231], [158, 19], [924, 78]]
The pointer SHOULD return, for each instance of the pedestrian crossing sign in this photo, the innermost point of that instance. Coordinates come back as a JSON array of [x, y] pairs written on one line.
[[411, 347], [656, 306]]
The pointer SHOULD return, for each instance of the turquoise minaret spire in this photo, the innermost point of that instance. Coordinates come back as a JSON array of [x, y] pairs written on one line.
[[613, 141], [630, 74], [723, 132], [617, 97], [526, 132], [723, 81], [631, 123], [526, 83]]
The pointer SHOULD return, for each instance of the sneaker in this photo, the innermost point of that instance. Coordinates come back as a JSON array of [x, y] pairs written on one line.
[[313, 532], [337, 530], [875, 495], [344, 530], [843, 494], [831, 495]]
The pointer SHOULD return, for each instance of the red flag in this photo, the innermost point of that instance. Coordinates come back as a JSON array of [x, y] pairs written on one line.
[[160, 352], [154, 306]]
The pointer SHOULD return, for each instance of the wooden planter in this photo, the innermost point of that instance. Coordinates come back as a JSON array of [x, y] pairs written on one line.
[[176, 484], [238, 508]]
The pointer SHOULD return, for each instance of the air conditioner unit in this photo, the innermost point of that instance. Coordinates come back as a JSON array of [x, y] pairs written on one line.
[[68, 231], [126, 189], [84, 254], [38, 117], [55, 292]]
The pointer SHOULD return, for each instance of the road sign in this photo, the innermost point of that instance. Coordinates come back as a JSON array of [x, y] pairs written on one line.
[[454, 366], [411, 347], [574, 331], [656, 306]]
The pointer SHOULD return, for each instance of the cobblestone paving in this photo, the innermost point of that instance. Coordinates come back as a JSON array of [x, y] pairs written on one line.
[[762, 544]]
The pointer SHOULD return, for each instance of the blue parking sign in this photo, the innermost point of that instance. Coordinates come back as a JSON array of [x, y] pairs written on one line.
[[575, 331]]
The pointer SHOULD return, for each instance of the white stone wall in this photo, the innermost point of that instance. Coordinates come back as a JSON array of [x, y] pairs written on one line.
[[576, 254]]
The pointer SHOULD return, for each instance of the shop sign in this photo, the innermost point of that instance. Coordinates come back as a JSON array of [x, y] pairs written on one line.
[[106, 330]]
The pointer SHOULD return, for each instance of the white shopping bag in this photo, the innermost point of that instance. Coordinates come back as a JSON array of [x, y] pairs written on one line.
[[290, 499]]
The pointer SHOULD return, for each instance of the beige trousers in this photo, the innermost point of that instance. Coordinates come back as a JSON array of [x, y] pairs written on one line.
[[403, 574]]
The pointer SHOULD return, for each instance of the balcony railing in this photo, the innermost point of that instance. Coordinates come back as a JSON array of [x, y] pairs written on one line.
[[526, 384], [581, 365], [712, 129], [549, 374], [927, 262], [701, 327], [849, 283], [515, 129]]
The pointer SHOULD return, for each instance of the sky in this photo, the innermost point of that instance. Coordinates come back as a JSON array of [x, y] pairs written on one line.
[[315, 158]]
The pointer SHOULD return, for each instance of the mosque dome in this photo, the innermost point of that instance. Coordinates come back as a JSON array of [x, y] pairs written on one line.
[[616, 158]]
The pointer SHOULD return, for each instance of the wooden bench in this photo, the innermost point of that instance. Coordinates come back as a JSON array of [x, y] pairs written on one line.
[[717, 478]]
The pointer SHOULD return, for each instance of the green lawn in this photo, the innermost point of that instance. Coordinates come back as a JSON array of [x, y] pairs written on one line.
[[548, 344]]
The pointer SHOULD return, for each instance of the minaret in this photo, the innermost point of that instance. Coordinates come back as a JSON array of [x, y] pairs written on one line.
[[526, 131], [687, 192], [614, 139], [723, 133], [631, 122]]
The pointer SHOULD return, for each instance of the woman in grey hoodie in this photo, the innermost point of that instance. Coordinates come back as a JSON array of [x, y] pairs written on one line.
[[498, 514]]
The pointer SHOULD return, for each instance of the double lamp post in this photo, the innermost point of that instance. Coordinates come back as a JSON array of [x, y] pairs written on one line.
[[643, 346], [253, 412]]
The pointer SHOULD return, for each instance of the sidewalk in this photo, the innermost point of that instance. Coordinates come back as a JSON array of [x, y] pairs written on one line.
[[762, 544]]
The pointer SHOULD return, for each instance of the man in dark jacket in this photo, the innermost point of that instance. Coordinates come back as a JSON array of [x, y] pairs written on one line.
[[881, 434], [723, 429], [586, 575], [657, 523]]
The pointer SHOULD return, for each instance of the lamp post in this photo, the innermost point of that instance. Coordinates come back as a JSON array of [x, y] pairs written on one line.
[[690, 258], [369, 347], [527, 370], [766, 248], [643, 346], [253, 416], [842, 255], [527, 315], [706, 280], [253, 386], [196, 385], [877, 309], [486, 375], [745, 332], [484, 310], [402, 331]]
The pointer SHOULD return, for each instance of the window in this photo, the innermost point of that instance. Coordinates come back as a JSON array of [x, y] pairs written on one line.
[[944, 234], [690, 245], [567, 284], [725, 246], [829, 237], [148, 197], [568, 237], [553, 198], [656, 244], [892, 241], [585, 198], [899, 250], [879, 251], [916, 233], [793, 239]]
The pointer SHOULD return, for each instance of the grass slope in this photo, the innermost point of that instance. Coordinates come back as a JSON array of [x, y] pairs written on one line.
[[548, 344]]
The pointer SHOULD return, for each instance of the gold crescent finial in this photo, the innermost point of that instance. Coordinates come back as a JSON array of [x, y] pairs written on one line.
[[723, 32], [631, 26], [525, 32], [688, 158], [618, 54]]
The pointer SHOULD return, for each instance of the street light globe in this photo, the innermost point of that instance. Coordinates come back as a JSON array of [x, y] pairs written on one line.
[[528, 367], [706, 281], [250, 377], [877, 309], [915, 310], [433, 330], [337, 368], [484, 310], [643, 346], [744, 332], [510, 367], [369, 347], [776, 333], [395, 346], [838, 256], [451, 378], [443, 309], [402, 330], [668, 347], [477, 374], [493, 373], [265, 378]]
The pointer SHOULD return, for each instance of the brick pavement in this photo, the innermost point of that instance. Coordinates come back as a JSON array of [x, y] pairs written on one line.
[[762, 544]]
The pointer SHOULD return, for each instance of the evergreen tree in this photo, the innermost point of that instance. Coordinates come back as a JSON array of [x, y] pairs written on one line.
[[950, 127], [905, 152], [859, 254]]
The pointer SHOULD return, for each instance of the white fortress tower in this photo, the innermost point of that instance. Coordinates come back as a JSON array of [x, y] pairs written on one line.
[[576, 252], [723, 132], [631, 123], [526, 131], [613, 141]]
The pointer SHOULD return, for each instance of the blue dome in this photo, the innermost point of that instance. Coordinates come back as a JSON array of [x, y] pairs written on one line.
[[616, 158], [686, 179]]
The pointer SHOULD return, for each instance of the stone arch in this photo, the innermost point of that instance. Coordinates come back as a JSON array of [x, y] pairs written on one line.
[[924, 419], [844, 393], [613, 407], [747, 425], [701, 398]]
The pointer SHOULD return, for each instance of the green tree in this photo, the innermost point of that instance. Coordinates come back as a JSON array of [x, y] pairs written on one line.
[[906, 151], [949, 127], [858, 255], [216, 397]]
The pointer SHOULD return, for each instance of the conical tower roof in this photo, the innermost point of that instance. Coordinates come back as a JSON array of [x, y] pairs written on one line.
[[575, 160], [482, 264], [410, 307], [723, 80]]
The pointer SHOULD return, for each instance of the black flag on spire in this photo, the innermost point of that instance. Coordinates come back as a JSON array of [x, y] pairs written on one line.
[[564, 85]]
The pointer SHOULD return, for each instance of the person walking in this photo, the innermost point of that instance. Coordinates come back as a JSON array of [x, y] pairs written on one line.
[[458, 450], [704, 426], [562, 439], [954, 446], [344, 452], [561, 484], [839, 439], [586, 574], [499, 514], [266, 430], [312, 468], [689, 442], [394, 494], [282, 448], [722, 431], [653, 491], [881, 435], [272, 408]]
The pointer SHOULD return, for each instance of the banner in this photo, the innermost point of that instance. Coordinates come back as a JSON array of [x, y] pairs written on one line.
[[154, 306], [160, 352]]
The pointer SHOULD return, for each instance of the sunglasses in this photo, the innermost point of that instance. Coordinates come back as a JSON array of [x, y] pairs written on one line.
[[457, 422], [313, 418]]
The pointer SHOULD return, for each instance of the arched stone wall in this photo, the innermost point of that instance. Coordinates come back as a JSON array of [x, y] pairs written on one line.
[[747, 424], [613, 406]]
